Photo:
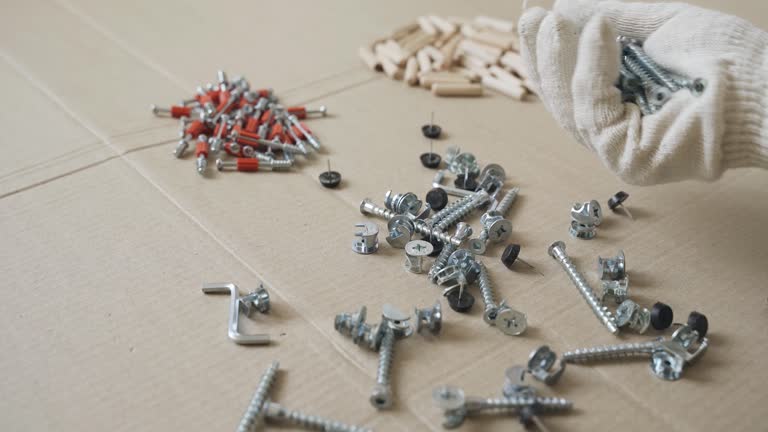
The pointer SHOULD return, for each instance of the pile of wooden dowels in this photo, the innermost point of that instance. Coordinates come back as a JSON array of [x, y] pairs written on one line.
[[453, 56]]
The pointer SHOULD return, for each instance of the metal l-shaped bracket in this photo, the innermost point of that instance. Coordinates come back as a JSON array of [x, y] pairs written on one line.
[[234, 314]]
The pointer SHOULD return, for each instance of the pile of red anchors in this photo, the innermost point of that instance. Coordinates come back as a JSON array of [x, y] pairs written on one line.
[[246, 124]]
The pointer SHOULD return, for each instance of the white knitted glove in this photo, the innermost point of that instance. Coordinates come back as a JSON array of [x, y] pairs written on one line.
[[573, 58]]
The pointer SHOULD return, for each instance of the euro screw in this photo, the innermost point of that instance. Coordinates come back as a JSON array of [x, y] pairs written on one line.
[[668, 357], [407, 203], [540, 365], [256, 301], [507, 200], [617, 290], [463, 231], [437, 217], [254, 414], [277, 413], [457, 407], [509, 321], [400, 231], [429, 319], [557, 252], [585, 218], [415, 251], [613, 269], [366, 238], [657, 94], [630, 314]]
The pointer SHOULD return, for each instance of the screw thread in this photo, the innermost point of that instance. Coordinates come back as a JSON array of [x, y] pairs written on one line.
[[367, 207], [609, 352], [441, 261], [544, 404], [277, 412], [448, 209], [385, 358], [459, 213], [600, 311], [649, 66], [253, 414], [486, 288], [507, 201]]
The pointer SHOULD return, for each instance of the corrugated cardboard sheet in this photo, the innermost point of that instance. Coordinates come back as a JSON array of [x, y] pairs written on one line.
[[107, 238]]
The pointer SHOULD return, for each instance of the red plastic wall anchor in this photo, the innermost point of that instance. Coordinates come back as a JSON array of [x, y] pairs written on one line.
[[247, 164], [195, 128], [233, 149], [266, 116], [217, 130], [180, 111], [252, 124], [223, 100], [276, 131], [298, 111], [202, 149]]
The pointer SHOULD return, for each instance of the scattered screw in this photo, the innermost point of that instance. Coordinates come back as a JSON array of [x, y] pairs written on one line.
[[415, 251], [630, 314], [437, 199], [430, 319], [254, 414], [540, 365], [509, 321], [366, 239], [277, 413], [617, 201], [557, 252], [330, 179], [256, 301]]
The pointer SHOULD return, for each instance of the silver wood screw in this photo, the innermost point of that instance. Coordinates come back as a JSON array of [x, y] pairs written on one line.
[[381, 397], [557, 252], [462, 231], [277, 413], [367, 207], [650, 67], [459, 213], [254, 415], [506, 319]]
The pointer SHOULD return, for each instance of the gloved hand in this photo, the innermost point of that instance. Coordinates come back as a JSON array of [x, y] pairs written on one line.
[[573, 58]]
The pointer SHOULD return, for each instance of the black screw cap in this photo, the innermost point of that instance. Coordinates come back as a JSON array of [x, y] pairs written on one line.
[[431, 131], [617, 200], [509, 256], [430, 160], [661, 316], [460, 304], [437, 199], [330, 179], [470, 184], [698, 321]]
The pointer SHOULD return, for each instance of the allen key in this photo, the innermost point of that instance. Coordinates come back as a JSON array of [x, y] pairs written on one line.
[[234, 314]]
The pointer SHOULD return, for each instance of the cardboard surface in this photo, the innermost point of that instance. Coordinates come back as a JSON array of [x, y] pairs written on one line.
[[109, 238]]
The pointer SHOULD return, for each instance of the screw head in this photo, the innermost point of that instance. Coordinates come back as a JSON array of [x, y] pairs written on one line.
[[543, 358], [448, 398], [418, 248], [666, 365], [511, 322], [558, 245], [625, 312], [381, 397], [495, 171], [477, 246], [499, 230]]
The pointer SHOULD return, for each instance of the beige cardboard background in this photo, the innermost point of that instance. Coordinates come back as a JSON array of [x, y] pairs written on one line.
[[108, 238]]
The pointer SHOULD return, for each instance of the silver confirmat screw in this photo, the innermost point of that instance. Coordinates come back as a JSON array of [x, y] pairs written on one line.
[[668, 357], [658, 94], [495, 227], [366, 238], [459, 213], [463, 231], [277, 413], [437, 217], [557, 252], [415, 251], [506, 319], [634, 51], [254, 414], [457, 407]]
